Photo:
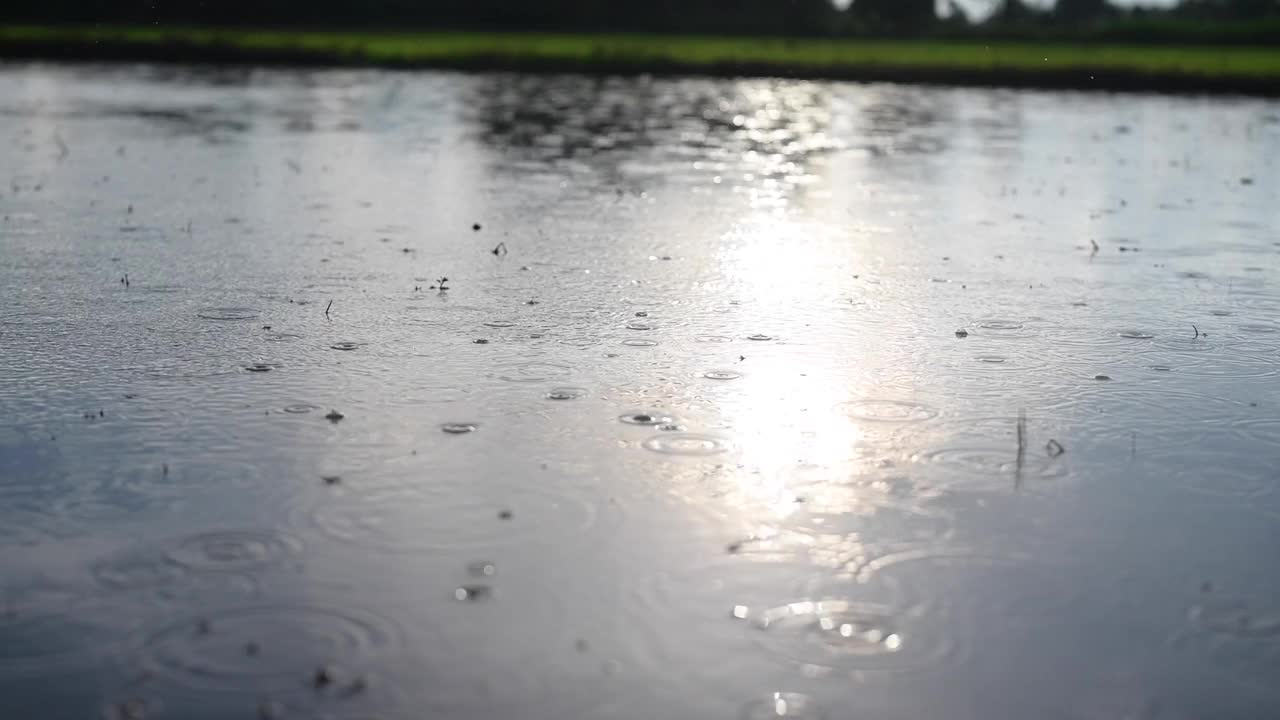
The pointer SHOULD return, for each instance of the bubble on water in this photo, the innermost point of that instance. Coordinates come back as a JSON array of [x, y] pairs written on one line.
[[721, 375], [208, 652], [281, 337], [228, 313], [991, 359], [640, 342], [760, 337], [1136, 335], [783, 705], [688, 444], [639, 326], [259, 367], [533, 372], [566, 393], [499, 324], [893, 411], [457, 428], [345, 346], [646, 418]]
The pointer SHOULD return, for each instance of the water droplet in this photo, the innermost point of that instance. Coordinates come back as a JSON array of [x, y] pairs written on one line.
[[472, 593], [228, 313], [721, 375], [459, 428], [482, 568], [831, 633], [566, 393], [783, 705], [640, 342], [645, 418], [690, 444]]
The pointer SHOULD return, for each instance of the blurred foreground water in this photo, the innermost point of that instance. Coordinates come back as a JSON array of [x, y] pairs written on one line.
[[718, 416]]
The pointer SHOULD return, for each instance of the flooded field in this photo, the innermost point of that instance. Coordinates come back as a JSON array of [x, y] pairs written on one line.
[[365, 395]]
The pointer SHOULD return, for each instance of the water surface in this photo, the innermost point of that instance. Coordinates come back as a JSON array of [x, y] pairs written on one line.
[[718, 416]]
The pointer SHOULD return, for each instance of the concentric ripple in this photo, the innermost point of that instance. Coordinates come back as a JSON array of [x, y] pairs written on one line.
[[845, 635], [410, 518], [290, 642], [566, 393], [228, 313], [47, 630], [687, 444], [533, 372], [233, 550], [889, 411]]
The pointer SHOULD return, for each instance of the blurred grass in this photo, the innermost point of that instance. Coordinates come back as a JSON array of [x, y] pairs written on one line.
[[820, 57]]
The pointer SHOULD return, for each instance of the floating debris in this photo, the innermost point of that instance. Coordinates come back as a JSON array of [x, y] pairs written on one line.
[[505, 515], [331, 479], [1102, 377], [962, 333], [1054, 448], [334, 416]]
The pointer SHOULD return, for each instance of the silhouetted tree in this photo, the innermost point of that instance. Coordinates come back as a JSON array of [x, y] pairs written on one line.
[[894, 14], [1080, 11]]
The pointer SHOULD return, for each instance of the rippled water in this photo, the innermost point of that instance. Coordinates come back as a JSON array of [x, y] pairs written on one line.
[[741, 399]]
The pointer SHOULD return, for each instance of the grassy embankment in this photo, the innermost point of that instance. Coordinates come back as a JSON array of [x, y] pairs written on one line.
[[1043, 64]]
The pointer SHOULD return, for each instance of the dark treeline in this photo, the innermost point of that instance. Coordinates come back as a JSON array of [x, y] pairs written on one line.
[[1211, 20]]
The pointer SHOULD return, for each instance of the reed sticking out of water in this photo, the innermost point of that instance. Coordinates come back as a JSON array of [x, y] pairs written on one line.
[[1193, 327], [326, 308], [1022, 448]]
